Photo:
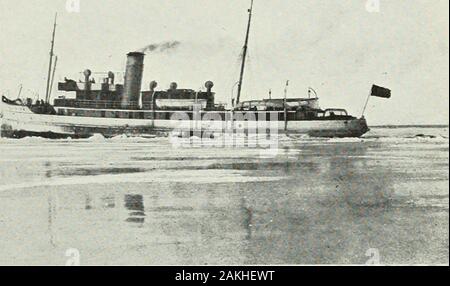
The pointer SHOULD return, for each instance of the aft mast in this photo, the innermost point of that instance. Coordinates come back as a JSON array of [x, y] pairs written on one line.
[[244, 53], [47, 93]]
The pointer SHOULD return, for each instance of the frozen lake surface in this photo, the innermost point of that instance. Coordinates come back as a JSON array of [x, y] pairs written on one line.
[[125, 201]]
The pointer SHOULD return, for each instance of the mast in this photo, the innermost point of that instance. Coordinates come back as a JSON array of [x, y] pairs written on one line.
[[244, 54], [47, 93], [53, 77], [285, 106]]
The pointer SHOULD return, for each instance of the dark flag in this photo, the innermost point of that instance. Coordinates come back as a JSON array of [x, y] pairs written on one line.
[[380, 91]]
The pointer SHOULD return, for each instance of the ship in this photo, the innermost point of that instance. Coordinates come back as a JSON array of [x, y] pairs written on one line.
[[88, 106]]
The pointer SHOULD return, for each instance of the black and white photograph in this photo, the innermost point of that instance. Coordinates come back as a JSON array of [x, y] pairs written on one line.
[[233, 133]]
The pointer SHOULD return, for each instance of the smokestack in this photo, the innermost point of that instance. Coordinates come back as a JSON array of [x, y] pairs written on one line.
[[133, 79]]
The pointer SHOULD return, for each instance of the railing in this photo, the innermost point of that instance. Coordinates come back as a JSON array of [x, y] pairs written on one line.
[[95, 104], [97, 76]]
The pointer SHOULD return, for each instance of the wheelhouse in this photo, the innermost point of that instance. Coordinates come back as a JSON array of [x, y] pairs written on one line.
[[334, 113]]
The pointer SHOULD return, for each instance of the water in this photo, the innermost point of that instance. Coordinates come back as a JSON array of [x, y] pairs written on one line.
[[128, 201]]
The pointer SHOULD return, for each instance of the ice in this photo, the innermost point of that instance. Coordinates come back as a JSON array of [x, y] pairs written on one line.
[[138, 196], [97, 137]]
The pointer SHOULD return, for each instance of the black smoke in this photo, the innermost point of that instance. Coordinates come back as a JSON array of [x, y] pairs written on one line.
[[160, 47]]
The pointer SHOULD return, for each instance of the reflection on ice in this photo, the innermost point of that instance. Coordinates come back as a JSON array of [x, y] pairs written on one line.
[[135, 204]]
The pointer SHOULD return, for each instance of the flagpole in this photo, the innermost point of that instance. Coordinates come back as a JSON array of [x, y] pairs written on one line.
[[365, 106]]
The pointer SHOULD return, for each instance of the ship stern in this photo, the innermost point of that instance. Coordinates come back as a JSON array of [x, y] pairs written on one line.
[[356, 127], [359, 127]]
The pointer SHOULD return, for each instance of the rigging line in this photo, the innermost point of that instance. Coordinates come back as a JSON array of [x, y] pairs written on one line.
[[251, 73]]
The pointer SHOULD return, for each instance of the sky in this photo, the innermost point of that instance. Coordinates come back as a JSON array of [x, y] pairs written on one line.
[[339, 48]]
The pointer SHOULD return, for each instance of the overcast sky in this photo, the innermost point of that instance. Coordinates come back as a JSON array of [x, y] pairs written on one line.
[[336, 47]]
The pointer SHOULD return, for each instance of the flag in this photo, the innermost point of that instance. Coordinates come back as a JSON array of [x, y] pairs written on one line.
[[380, 91]]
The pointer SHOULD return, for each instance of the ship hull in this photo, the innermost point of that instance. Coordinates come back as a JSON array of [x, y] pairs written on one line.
[[19, 121]]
